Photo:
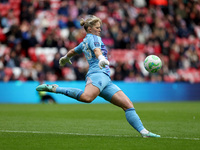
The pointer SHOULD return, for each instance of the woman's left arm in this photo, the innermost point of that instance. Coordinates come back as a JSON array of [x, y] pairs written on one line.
[[102, 60]]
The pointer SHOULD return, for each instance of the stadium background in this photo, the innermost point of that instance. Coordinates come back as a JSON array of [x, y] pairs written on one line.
[[35, 34]]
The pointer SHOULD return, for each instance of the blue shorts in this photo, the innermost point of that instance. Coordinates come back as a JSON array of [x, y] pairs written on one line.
[[104, 83]]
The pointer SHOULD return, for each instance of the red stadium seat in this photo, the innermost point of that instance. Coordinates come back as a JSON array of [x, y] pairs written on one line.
[[16, 13], [8, 71], [66, 71], [15, 6], [2, 36], [15, 1], [140, 47], [42, 58], [32, 54], [169, 78]]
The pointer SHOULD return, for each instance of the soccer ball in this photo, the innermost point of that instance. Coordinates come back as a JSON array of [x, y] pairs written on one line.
[[152, 63]]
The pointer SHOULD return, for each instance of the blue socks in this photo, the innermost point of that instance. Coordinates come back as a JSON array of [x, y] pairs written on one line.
[[71, 92], [133, 119]]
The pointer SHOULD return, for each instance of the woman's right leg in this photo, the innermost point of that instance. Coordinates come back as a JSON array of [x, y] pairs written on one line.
[[87, 96]]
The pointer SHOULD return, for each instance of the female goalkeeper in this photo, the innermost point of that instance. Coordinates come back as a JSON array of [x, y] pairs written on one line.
[[98, 82]]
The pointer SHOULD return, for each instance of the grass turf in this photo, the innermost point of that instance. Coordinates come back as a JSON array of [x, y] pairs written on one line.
[[98, 126]]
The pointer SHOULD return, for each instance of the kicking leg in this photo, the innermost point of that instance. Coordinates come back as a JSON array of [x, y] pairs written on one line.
[[47, 88], [87, 96]]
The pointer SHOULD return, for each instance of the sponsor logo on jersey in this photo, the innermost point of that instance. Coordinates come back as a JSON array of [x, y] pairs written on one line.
[[97, 44]]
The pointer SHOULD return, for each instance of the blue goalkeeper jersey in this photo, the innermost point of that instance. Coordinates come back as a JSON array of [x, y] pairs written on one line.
[[90, 42]]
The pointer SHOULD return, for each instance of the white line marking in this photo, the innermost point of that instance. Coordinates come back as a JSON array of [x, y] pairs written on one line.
[[64, 133], [81, 134]]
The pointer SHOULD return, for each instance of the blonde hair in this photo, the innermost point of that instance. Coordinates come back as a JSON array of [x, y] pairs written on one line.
[[90, 21]]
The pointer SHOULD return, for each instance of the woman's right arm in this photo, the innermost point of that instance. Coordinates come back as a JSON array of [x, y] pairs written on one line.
[[66, 59], [71, 53]]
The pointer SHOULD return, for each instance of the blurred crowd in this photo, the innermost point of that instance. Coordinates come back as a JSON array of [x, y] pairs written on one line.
[[34, 34]]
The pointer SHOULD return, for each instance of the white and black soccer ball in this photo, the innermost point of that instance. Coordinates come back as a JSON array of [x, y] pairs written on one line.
[[152, 63]]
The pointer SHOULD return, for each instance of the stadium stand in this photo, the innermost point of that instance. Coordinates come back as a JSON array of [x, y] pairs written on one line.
[[33, 32]]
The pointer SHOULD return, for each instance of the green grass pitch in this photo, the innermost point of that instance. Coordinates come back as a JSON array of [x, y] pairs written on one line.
[[98, 127]]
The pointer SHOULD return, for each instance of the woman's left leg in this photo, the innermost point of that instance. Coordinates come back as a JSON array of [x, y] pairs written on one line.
[[121, 100]]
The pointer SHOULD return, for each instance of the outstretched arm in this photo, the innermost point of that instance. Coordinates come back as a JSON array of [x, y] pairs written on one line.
[[71, 53], [66, 59]]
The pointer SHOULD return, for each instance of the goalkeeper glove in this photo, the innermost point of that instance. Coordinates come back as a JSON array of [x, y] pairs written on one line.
[[102, 61], [63, 60]]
